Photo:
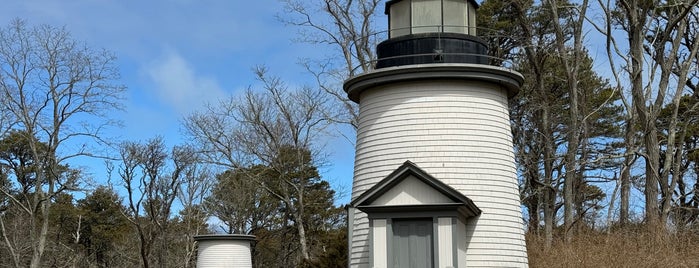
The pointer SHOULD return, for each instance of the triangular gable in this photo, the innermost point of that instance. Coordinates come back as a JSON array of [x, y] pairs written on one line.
[[401, 190], [411, 191]]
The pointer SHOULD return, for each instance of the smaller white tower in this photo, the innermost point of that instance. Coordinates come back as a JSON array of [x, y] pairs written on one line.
[[434, 177], [224, 251]]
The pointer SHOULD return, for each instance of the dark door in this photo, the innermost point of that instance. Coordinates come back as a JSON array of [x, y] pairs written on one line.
[[412, 243]]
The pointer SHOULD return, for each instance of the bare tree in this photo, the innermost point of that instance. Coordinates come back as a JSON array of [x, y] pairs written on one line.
[[274, 128], [195, 186], [571, 60], [152, 185], [654, 32], [346, 26], [631, 145], [534, 28], [674, 59], [59, 91]]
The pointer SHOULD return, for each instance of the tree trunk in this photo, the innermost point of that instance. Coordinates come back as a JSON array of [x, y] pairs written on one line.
[[40, 245], [571, 66], [680, 67], [533, 200], [40, 223], [636, 21], [533, 208], [144, 249], [580, 188], [571, 167], [301, 228], [625, 178], [549, 191], [302, 240], [650, 132], [652, 165]]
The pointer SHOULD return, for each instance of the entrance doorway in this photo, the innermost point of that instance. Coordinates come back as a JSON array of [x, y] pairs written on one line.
[[412, 243]]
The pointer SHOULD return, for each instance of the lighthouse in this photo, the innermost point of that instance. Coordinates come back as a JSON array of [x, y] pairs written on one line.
[[434, 175]]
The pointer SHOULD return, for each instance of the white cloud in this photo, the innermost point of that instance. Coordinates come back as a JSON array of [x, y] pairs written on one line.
[[177, 84]]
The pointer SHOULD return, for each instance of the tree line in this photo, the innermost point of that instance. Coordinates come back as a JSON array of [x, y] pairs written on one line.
[[604, 130], [585, 141], [604, 124], [251, 168]]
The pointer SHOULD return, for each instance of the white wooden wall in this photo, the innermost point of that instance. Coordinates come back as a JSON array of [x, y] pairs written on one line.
[[224, 253], [459, 132]]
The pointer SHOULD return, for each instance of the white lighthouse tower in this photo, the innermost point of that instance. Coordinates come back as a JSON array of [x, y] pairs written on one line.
[[434, 178]]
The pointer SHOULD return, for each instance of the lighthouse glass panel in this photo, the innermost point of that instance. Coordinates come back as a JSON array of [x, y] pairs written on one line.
[[400, 19], [427, 16], [472, 20], [455, 16]]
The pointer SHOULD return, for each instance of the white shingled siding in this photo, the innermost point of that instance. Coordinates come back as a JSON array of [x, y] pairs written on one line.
[[411, 191], [458, 132], [224, 253]]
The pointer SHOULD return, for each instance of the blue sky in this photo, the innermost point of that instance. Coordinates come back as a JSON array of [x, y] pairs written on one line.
[[175, 55]]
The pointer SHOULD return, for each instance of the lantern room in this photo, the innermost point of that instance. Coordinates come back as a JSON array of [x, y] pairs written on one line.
[[431, 31], [430, 16]]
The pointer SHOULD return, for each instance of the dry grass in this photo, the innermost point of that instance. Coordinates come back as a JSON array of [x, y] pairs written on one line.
[[628, 247]]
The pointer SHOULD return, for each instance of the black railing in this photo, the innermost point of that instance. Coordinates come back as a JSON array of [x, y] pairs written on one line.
[[433, 55]]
